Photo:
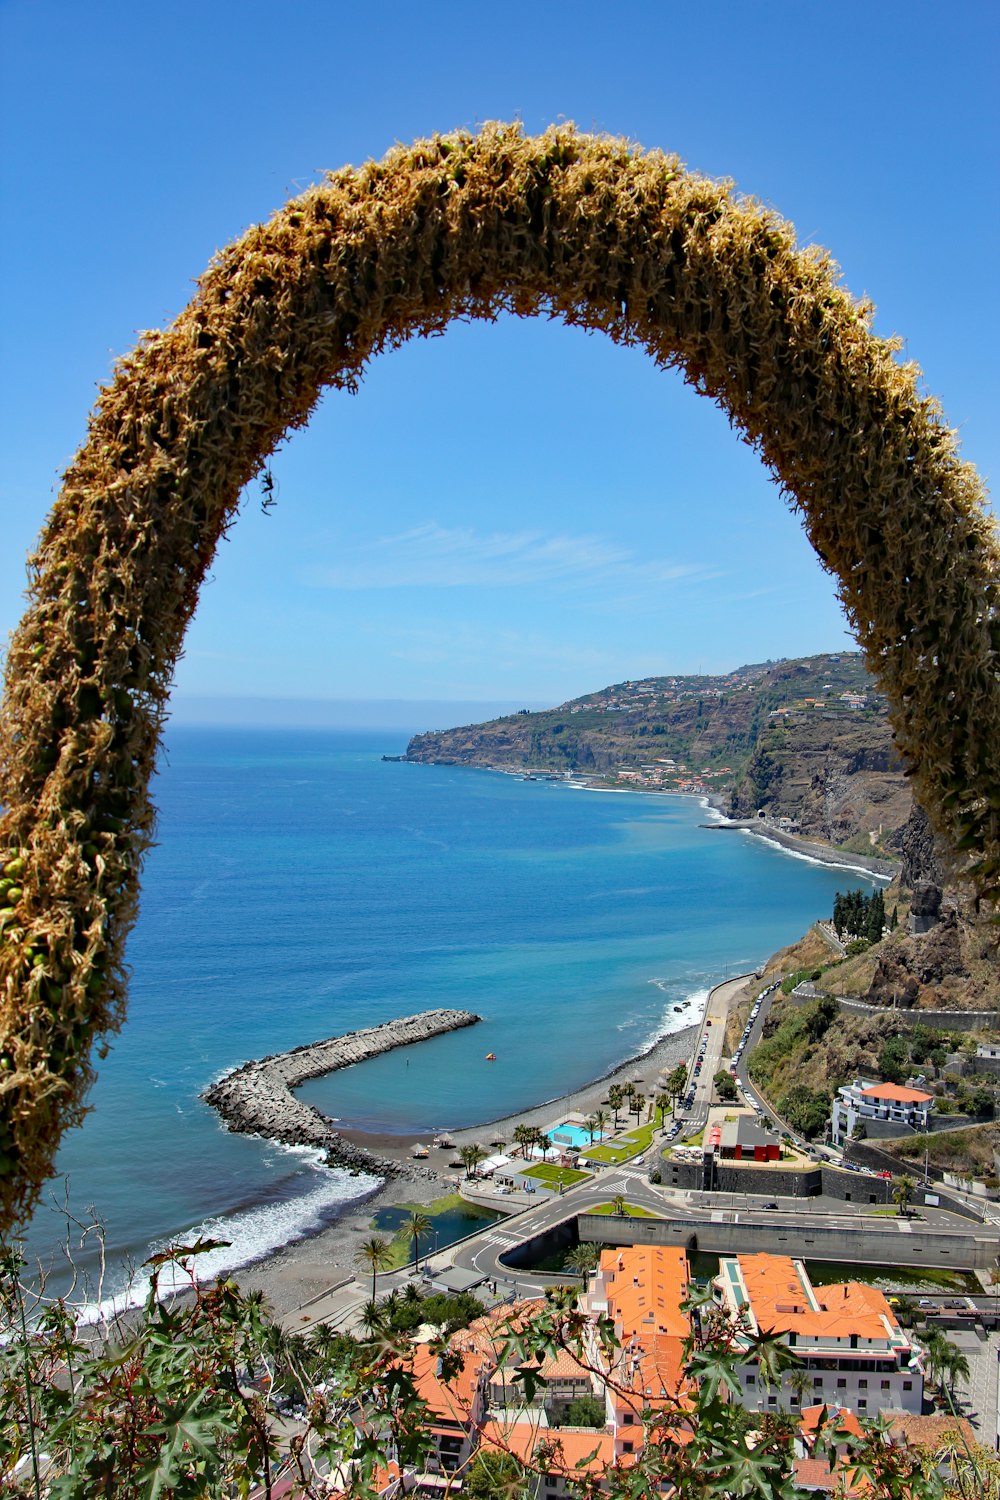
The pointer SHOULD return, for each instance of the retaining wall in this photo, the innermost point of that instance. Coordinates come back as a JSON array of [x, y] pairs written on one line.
[[867, 1246], [944, 1020], [806, 1182]]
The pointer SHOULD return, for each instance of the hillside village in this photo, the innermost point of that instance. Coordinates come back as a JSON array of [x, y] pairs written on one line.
[[806, 742]]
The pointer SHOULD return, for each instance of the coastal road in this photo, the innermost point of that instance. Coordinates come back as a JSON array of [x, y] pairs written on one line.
[[749, 1092], [482, 1253], [711, 1038]]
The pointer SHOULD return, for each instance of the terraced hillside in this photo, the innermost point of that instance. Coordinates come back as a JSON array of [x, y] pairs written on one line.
[[806, 739]]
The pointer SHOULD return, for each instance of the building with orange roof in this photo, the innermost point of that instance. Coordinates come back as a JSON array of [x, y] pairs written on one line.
[[938, 1433], [816, 1476], [827, 1416], [883, 1108], [569, 1453], [641, 1288], [846, 1336], [456, 1405]]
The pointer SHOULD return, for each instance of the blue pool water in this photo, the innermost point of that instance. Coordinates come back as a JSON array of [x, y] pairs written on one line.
[[574, 1135]]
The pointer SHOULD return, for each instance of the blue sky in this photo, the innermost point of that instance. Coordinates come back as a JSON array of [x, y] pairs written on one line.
[[519, 512]]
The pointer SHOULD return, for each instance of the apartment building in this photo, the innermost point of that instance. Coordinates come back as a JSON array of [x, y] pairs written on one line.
[[852, 1349], [641, 1289], [883, 1108]]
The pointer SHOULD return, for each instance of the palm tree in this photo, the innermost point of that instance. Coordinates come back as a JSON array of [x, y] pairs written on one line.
[[418, 1224], [377, 1255], [582, 1259], [372, 1318], [661, 1101], [902, 1192], [390, 1305], [800, 1385], [934, 1342], [952, 1363], [543, 1142], [471, 1156], [601, 1118], [325, 1343], [618, 1206], [523, 1136], [676, 1083], [616, 1098], [590, 1124], [638, 1101]]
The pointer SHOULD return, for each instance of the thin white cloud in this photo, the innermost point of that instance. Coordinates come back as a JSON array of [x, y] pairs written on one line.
[[433, 556], [505, 649]]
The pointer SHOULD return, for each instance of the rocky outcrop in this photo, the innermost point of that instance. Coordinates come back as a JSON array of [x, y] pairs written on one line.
[[922, 860], [837, 777], [257, 1098]]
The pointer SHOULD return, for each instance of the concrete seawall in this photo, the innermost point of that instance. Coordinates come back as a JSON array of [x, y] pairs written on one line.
[[257, 1098]]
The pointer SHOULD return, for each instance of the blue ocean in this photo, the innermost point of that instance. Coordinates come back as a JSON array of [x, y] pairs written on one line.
[[302, 887]]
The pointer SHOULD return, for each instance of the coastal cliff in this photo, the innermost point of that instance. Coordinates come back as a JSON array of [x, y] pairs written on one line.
[[257, 1098], [806, 740]]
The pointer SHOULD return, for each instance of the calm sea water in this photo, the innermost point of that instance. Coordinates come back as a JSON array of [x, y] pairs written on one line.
[[302, 887]]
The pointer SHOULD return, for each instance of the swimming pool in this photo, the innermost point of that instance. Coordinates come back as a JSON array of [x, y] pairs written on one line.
[[573, 1135]]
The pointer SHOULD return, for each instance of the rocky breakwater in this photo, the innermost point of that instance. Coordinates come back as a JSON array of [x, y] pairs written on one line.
[[257, 1098]]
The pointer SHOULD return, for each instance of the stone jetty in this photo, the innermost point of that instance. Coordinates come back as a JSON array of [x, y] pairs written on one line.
[[257, 1098]]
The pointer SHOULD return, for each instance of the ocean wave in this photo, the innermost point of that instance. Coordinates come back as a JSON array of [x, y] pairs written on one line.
[[713, 812], [672, 1020], [252, 1233], [812, 859]]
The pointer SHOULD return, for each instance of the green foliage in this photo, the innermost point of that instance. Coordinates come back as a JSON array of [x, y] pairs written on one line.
[[806, 1110], [677, 1080], [792, 981], [893, 1060], [819, 1016], [585, 1411], [725, 1085], [439, 1309], [492, 1475], [583, 1259], [859, 916], [182, 1406], [790, 1033]]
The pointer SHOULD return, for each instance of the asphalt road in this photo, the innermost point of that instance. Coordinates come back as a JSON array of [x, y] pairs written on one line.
[[482, 1253]]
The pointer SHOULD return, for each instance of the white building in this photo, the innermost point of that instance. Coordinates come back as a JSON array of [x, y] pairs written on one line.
[[852, 1349], [878, 1102]]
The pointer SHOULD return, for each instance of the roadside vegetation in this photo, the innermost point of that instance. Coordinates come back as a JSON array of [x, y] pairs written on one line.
[[622, 1209], [969, 1152]]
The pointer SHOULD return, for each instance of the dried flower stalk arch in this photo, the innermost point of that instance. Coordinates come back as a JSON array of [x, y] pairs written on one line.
[[591, 230]]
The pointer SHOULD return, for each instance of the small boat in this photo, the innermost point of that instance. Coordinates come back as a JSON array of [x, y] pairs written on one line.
[[491, 1057]]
